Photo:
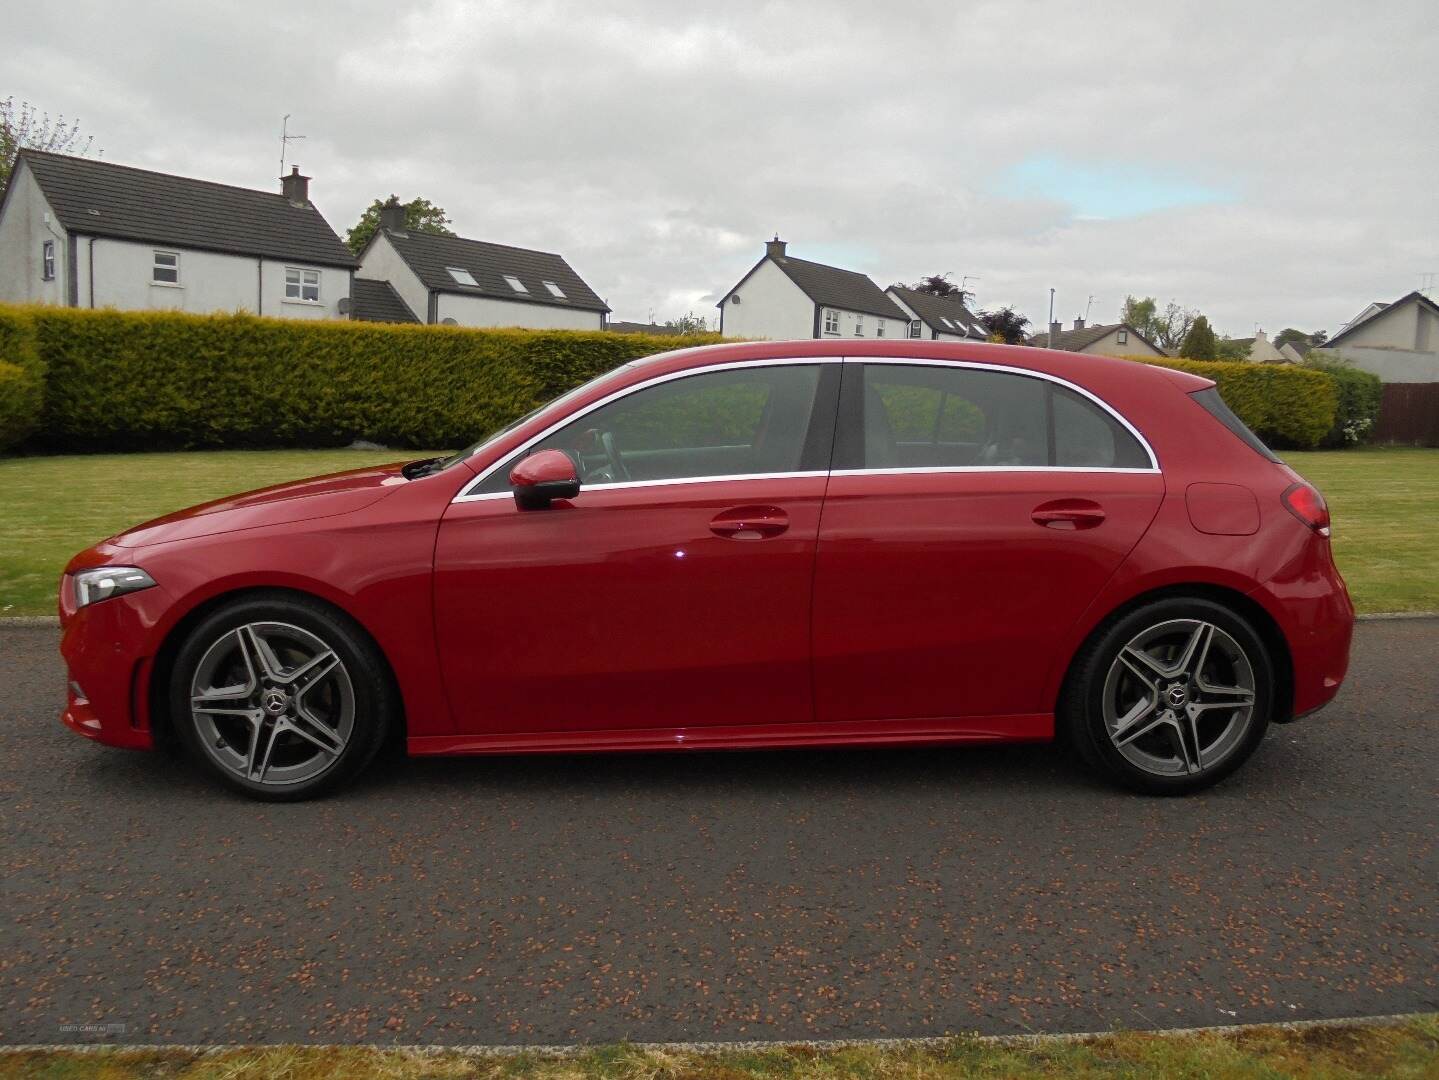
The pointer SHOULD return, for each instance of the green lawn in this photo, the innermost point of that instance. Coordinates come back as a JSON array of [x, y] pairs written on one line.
[[1403, 1050], [51, 507]]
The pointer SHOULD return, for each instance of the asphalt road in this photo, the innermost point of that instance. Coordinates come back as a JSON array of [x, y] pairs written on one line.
[[720, 896]]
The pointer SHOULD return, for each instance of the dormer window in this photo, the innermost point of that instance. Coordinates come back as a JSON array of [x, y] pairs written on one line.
[[165, 270], [47, 261], [462, 276], [555, 291], [515, 283]]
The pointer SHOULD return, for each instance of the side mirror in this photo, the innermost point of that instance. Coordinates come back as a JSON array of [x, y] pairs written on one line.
[[540, 479]]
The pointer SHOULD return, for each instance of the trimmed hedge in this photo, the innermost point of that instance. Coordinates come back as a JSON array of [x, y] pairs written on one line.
[[1360, 393], [154, 380], [22, 385], [1289, 407]]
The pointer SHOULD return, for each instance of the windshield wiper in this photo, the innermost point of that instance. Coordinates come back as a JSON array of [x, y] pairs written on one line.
[[416, 469]]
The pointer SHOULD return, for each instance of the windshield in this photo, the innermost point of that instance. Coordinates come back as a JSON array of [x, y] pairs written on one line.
[[476, 447]]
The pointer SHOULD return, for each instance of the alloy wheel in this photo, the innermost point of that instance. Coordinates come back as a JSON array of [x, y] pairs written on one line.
[[272, 703], [1179, 698]]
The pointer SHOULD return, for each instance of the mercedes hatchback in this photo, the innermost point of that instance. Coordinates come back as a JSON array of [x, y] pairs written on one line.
[[817, 543]]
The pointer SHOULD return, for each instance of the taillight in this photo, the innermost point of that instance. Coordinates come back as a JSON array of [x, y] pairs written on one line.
[[1308, 506]]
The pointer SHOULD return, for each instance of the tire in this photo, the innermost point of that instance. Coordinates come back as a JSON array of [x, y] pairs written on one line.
[[280, 697], [1169, 698]]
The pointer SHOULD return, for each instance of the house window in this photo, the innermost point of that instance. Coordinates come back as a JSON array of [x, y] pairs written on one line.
[[555, 290], [47, 261], [859, 326], [302, 285], [515, 283], [915, 328], [831, 321], [1123, 337], [166, 268], [879, 328], [462, 276]]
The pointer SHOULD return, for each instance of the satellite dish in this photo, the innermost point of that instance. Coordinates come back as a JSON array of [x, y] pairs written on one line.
[[449, 322], [343, 307]]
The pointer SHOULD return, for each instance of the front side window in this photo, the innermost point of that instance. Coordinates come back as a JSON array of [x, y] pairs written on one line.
[[1123, 337], [166, 268], [930, 416], [879, 328], [47, 261], [831, 321], [915, 328], [744, 421], [859, 326], [302, 284]]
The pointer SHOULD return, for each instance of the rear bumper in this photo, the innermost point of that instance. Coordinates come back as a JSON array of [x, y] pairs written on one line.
[[1315, 613]]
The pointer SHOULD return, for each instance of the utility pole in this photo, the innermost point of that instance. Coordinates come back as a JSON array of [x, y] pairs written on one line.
[[1050, 333]]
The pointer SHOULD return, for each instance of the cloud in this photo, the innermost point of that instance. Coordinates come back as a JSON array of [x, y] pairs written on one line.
[[1267, 163]]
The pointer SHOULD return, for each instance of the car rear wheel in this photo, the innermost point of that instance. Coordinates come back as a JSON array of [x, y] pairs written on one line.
[[280, 698], [1170, 698]]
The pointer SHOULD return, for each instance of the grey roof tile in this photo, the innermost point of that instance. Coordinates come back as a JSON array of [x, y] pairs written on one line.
[[99, 198], [932, 310], [430, 256], [833, 287], [377, 301]]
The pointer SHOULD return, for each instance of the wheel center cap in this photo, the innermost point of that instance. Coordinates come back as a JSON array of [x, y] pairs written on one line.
[[1177, 695], [275, 702]]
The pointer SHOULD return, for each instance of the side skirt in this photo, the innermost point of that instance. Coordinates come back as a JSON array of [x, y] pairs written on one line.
[[1026, 727]]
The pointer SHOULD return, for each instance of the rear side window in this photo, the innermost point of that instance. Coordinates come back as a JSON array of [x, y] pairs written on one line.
[[901, 416], [1216, 407]]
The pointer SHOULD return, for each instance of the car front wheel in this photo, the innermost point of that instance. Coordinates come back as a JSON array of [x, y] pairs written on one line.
[[280, 698], [1170, 698]]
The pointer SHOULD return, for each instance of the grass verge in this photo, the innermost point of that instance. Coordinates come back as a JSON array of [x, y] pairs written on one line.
[[1399, 1049], [52, 507]]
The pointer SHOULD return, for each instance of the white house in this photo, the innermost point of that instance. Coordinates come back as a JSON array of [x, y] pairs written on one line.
[[1399, 342], [1113, 339], [783, 298], [937, 318], [459, 282], [85, 233]]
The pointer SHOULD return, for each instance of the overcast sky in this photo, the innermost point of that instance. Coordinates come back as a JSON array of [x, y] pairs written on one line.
[[1271, 164]]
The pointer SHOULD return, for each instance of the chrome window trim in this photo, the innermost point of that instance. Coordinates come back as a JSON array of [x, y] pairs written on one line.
[[467, 492], [913, 361]]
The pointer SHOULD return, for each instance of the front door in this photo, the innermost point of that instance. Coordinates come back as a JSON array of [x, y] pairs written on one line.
[[971, 517], [674, 591]]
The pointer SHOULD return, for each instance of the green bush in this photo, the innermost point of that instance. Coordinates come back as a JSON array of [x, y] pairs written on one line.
[[1289, 407], [1359, 395], [22, 385], [155, 380]]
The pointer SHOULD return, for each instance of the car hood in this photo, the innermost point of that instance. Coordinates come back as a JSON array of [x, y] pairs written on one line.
[[300, 500]]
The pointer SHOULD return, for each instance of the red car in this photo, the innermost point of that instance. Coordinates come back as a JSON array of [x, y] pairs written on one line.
[[755, 545]]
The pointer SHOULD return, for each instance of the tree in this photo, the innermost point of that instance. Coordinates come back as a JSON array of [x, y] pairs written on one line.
[[936, 285], [421, 215], [22, 128], [1299, 339], [1006, 324], [1165, 329], [1199, 343], [1229, 349], [688, 323]]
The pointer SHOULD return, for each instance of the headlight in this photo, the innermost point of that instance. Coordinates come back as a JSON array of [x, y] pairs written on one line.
[[107, 581]]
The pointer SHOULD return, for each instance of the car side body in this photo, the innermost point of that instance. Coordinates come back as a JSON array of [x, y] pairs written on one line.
[[819, 605]]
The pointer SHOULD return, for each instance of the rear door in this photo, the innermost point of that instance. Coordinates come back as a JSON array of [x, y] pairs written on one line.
[[972, 514]]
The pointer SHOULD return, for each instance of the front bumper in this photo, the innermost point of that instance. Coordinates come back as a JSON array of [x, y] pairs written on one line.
[[109, 658]]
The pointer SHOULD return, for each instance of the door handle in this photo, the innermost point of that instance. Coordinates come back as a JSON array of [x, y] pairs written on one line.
[[750, 522], [1068, 514]]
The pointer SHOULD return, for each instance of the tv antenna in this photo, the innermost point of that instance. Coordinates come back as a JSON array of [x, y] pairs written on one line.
[[285, 140], [964, 289], [1087, 305]]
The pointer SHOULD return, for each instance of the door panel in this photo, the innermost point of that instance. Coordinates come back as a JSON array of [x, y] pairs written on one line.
[[626, 609], [939, 595]]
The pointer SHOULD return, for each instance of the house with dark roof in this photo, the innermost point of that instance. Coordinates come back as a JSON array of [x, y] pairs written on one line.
[[1399, 342], [937, 318], [86, 233], [459, 282], [782, 297], [1114, 339]]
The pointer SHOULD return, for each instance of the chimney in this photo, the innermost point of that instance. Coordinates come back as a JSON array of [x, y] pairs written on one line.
[[392, 215], [1260, 335], [295, 187], [774, 248], [1078, 323], [1056, 328]]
